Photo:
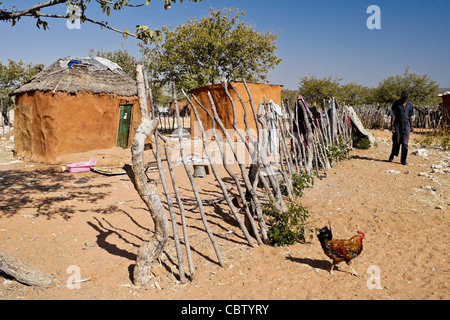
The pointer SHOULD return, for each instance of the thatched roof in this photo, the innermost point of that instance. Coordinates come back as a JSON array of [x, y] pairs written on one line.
[[73, 74]]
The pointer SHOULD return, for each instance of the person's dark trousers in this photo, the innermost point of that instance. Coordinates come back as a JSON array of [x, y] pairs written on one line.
[[395, 145], [404, 139], [397, 141]]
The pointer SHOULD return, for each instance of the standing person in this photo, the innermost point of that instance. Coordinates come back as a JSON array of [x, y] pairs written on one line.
[[401, 124]]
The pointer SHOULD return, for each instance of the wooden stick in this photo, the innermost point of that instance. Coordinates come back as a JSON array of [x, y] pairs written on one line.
[[233, 175], [218, 178], [194, 186], [25, 273], [254, 172], [279, 203], [264, 120], [247, 182], [309, 137], [171, 209], [294, 142], [182, 214]]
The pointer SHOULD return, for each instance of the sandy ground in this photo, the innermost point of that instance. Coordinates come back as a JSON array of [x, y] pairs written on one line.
[[56, 220]]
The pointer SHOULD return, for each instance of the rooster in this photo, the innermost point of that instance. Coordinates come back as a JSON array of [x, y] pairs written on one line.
[[340, 250]]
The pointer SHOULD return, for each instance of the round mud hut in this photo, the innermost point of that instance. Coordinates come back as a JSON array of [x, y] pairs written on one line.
[[75, 105]]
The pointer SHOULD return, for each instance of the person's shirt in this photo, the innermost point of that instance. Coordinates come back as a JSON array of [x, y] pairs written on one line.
[[402, 115]]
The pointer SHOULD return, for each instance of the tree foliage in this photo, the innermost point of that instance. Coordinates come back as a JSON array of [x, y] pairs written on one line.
[[120, 56], [10, 13], [314, 90], [219, 46], [289, 95], [14, 74], [422, 89]]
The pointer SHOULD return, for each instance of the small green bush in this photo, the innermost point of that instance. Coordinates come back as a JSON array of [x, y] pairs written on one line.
[[445, 143], [439, 138], [299, 183], [338, 150], [288, 227], [361, 143]]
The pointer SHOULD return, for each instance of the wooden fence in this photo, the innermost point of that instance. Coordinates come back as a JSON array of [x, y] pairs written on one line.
[[426, 118], [308, 153]]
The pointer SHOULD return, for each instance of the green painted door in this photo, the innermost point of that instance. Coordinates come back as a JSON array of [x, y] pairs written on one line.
[[124, 126]]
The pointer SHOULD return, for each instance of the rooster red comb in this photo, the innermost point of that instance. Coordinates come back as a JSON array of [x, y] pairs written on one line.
[[361, 234]]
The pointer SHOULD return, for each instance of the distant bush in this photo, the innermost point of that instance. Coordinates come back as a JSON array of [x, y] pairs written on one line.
[[440, 139]]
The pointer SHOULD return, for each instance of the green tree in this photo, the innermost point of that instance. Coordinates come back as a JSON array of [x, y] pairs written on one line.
[[14, 74], [289, 95], [219, 46], [355, 94], [122, 57], [422, 89], [314, 90]]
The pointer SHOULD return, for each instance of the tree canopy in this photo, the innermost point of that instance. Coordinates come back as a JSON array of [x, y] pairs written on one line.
[[10, 13], [14, 74], [423, 90], [218, 47], [120, 56], [314, 90]]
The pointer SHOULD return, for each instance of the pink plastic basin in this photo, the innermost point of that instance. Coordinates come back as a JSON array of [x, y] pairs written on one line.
[[81, 166]]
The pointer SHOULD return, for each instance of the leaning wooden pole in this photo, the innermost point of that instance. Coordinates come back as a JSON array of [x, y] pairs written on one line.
[[219, 179], [152, 249], [194, 185], [182, 213], [173, 216], [249, 222], [245, 176], [255, 165], [309, 138]]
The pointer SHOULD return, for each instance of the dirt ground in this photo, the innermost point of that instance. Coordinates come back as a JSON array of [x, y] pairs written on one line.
[[55, 220]]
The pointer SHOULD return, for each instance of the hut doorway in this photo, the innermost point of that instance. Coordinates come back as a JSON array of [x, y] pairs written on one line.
[[124, 126]]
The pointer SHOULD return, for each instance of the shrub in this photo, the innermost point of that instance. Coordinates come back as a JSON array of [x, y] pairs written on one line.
[[361, 143], [299, 182], [290, 226], [338, 150], [439, 138], [445, 143]]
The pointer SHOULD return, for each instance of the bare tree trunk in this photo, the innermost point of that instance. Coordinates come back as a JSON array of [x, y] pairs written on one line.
[[151, 250], [25, 273]]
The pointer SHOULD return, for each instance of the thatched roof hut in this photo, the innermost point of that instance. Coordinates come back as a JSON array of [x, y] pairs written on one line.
[[75, 105], [71, 75]]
